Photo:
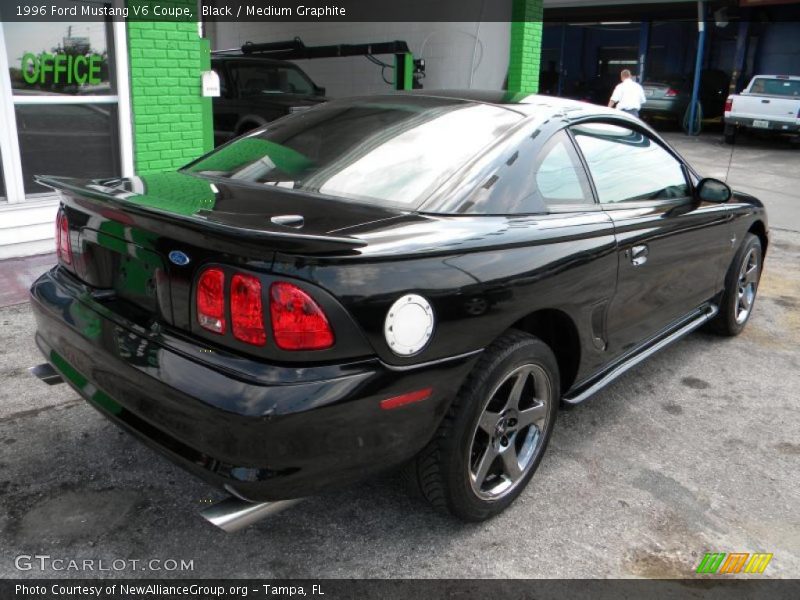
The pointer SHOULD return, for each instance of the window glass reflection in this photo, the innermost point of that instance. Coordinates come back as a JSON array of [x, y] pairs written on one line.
[[76, 140], [59, 58], [528, 181], [628, 166], [392, 151], [256, 80]]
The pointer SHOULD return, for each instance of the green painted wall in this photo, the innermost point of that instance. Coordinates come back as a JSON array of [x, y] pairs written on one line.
[[526, 46], [171, 120]]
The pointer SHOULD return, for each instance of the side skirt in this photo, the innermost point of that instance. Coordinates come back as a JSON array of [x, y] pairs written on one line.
[[646, 351]]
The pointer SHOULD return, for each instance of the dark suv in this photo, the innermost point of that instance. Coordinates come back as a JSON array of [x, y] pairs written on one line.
[[255, 91]]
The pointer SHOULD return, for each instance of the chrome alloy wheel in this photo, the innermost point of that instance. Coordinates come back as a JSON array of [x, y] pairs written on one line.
[[510, 432], [746, 286]]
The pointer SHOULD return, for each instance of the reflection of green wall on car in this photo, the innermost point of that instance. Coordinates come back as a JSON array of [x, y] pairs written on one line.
[[172, 192], [245, 151], [82, 384], [176, 193]]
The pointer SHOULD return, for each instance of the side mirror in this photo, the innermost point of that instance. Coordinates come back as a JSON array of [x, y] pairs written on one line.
[[319, 91], [713, 190]]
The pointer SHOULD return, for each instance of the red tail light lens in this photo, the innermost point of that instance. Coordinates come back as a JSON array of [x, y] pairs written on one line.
[[211, 300], [298, 322], [63, 243], [247, 316], [671, 93], [729, 105]]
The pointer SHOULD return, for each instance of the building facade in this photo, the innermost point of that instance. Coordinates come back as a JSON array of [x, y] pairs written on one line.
[[93, 99], [108, 98]]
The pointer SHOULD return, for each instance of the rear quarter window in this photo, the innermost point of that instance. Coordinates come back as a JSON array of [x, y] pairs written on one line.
[[533, 178]]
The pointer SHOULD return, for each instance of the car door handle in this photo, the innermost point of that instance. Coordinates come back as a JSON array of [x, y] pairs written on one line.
[[639, 255]]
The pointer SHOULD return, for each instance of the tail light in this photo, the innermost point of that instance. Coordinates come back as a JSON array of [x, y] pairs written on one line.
[[247, 316], [671, 93], [298, 322], [211, 300], [63, 243], [729, 105]]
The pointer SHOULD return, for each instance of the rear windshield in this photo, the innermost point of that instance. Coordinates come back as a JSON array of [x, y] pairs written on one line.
[[776, 87], [392, 151]]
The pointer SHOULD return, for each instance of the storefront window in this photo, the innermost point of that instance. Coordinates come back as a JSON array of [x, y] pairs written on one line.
[[76, 140], [60, 58], [63, 89]]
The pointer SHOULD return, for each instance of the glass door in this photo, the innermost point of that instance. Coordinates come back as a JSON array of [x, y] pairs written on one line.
[[64, 101]]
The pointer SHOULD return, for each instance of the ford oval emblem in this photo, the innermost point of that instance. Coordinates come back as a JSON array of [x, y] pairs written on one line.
[[179, 258]]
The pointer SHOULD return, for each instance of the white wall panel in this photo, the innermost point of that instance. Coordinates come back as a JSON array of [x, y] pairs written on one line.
[[457, 55]]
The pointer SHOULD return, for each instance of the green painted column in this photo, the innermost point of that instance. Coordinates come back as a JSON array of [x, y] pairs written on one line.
[[526, 46], [404, 71], [172, 122]]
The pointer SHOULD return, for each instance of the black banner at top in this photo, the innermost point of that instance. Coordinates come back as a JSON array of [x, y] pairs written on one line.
[[299, 11], [256, 10]]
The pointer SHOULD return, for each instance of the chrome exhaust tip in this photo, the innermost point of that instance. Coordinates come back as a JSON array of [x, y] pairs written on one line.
[[234, 514], [46, 373]]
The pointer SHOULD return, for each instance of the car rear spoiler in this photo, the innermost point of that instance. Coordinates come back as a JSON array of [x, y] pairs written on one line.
[[264, 238]]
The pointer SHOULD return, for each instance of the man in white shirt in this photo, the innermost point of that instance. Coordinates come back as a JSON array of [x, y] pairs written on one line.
[[628, 96]]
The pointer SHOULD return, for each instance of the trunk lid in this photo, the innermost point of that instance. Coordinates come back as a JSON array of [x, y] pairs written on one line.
[[138, 242]]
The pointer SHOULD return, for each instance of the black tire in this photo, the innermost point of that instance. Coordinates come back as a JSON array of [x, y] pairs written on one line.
[[729, 134], [729, 321], [443, 469]]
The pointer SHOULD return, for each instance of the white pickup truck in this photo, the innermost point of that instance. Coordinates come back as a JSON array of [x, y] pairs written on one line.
[[768, 103]]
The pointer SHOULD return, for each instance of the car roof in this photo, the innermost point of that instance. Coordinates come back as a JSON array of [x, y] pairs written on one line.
[[528, 104]]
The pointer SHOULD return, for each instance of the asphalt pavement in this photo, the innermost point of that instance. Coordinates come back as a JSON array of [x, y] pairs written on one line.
[[694, 451]]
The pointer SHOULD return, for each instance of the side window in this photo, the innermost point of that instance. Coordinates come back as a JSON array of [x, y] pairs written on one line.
[[628, 166], [253, 79], [297, 83], [560, 178], [532, 178]]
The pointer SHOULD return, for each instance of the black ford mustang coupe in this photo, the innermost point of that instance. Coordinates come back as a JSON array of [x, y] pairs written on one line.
[[410, 279]]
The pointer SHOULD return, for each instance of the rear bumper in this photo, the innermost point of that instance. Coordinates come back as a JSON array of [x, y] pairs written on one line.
[[663, 108], [262, 432], [773, 125]]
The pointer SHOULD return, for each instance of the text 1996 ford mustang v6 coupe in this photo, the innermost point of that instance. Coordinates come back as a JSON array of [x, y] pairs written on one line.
[[409, 279]]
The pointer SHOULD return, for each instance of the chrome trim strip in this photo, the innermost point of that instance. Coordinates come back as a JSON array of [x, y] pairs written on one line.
[[431, 363], [634, 360]]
